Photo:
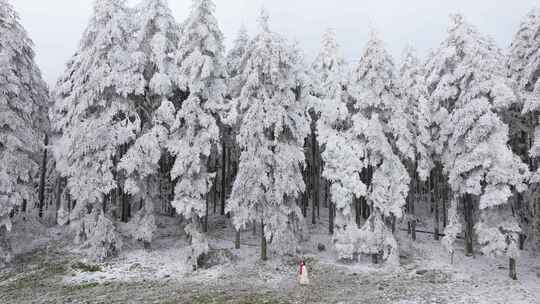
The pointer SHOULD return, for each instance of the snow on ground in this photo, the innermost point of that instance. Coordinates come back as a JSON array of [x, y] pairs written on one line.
[[49, 274]]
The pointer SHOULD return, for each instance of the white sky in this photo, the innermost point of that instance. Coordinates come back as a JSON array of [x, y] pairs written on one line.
[[56, 25]]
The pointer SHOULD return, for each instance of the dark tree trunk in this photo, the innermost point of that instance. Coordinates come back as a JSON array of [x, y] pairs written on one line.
[[357, 213], [264, 254], [512, 269], [468, 214], [205, 228], [223, 176], [237, 239], [331, 218], [42, 176]]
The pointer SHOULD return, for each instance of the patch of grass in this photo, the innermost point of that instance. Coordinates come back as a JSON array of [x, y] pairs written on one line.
[[240, 299], [86, 267], [71, 288]]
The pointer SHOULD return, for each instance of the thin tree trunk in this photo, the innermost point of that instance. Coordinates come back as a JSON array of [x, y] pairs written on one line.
[[223, 176], [331, 219], [468, 214], [237, 239], [264, 254], [205, 228], [357, 213], [42, 177], [512, 269]]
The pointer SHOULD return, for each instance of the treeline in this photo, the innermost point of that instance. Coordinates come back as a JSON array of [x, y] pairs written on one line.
[[155, 117]]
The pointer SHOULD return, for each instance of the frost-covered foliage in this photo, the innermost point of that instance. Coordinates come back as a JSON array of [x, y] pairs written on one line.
[[194, 133], [273, 127], [93, 111], [453, 228], [235, 55], [157, 37], [524, 69], [417, 111], [23, 121], [359, 140], [466, 79], [95, 115], [97, 235]]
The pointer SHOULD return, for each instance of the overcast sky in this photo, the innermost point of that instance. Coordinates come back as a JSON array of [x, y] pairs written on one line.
[[56, 25]]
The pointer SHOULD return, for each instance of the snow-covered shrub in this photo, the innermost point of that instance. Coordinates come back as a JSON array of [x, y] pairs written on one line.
[[142, 226], [98, 236], [453, 228]]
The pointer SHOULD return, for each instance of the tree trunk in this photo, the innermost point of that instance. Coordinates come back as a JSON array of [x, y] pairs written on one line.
[[237, 239], [468, 214], [42, 177], [223, 176], [264, 254], [315, 175], [512, 269], [331, 218], [357, 213], [205, 228], [413, 230]]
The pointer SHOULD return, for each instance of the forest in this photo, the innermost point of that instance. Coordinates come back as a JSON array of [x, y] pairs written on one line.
[[154, 123]]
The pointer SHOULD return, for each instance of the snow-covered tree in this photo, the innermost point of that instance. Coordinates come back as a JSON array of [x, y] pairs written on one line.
[[195, 133], [235, 55], [417, 110], [417, 113], [466, 78], [329, 82], [94, 114], [523, 66], [24, 101], [360, 161], [156, 43], [272, 132]]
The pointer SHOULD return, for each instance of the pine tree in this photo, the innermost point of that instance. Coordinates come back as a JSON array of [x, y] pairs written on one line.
[[97, 119], [418, 112], [195, 132], [24, 101], [156, 44], [466, 79], [364, 162], [523, 118], [329, 74], [272, 132]]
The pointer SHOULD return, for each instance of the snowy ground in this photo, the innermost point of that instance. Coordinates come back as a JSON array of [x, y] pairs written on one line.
[[53, 273]]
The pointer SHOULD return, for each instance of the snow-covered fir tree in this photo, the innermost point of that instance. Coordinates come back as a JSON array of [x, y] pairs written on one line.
[[235, 55], [156, 43], [417, 110], [360, 161], [524, 117], [272, 132], [97, 119], [24, 100], [329, 84], [466, 79], [417, 113], [195, 133]]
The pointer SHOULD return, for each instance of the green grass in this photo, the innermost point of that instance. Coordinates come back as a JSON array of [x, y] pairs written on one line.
[[71, 288], [86, 267], [240, 299]]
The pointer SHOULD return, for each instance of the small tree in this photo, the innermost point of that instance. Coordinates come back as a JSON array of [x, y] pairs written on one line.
[[272, 132]]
